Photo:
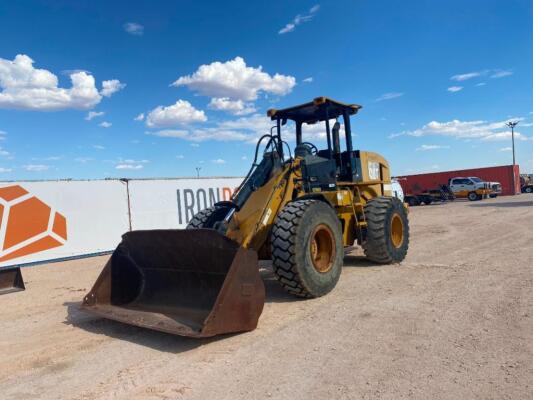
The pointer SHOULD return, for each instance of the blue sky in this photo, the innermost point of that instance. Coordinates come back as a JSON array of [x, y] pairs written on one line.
[[172, 86]]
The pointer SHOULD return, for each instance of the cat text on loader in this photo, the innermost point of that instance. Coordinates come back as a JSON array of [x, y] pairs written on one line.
[[298, 209]]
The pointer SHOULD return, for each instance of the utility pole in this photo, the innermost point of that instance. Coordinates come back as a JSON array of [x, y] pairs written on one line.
[[198, 172], [512, 124]]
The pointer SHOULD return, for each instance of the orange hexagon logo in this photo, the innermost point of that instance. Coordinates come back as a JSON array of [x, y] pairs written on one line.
[[27, 225]]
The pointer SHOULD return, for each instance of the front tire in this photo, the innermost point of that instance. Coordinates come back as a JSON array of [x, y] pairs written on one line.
[[387, 235], [307, 248], [199, 220], [473, 196]]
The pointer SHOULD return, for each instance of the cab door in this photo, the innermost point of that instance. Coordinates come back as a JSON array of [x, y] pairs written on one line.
[[459, 187]]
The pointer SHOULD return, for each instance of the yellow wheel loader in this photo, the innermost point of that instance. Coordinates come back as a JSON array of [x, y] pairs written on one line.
[[299, 210]]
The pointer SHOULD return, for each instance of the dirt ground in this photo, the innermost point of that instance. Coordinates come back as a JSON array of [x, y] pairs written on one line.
[[454, 321]]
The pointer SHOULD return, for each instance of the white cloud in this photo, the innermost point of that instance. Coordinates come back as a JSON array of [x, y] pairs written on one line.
[[244, 129], [494, 73], [195, 145], [28, 88], [506, 149], [236, 81], [83, 160], [111, 86], [506, 136], [395, 135], [244, 158], [93, 114], [299, 19], [235, 107], [454, 89], [52, 158], [180, 156], [218, 161], [139, 117], [180, 113], [3, 135], [105, 124], [316, 131], [483, 130], [427, 147], [25, 87], [4, 152], [98, 147], [134, 28], [468, 75], [389, 96], [202, 135], [308, 80], [3, 170], [502, 73], [481, 84], [130, 164], [36, 167]]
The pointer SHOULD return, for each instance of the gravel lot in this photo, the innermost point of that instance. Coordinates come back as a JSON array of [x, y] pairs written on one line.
[[454, 321]]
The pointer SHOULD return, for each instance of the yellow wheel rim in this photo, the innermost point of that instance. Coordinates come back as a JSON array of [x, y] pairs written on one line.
[[322, 248], [396, 231]]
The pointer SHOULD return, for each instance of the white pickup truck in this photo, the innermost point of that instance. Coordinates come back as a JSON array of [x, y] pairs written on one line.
[[470, 187]]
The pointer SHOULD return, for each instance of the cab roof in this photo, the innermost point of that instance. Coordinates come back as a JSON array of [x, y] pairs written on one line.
[[320, 109]]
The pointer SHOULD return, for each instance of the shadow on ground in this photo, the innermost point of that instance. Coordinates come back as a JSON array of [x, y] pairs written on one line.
[[177, 344], [145, 337], [505, 204]]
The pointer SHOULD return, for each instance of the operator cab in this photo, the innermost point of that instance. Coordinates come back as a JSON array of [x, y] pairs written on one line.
[[322, 168]]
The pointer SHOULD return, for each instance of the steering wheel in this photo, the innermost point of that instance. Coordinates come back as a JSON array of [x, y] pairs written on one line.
[[314, 149]]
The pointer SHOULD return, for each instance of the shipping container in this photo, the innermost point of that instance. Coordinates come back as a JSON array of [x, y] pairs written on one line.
[[507, 175]]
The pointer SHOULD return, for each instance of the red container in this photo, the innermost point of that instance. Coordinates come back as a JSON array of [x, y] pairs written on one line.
[[415, 184]]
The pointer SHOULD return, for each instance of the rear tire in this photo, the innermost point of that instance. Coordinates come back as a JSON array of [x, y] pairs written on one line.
[[307, 248], [528, 190], [199, 220], [473, 196], [387, 236]]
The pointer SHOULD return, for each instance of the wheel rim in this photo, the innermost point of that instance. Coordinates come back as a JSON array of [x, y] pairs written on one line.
[[322, 248], [396, 232]]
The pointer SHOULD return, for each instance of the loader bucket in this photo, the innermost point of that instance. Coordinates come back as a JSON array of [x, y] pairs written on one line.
[[193, 282], [11, 281]]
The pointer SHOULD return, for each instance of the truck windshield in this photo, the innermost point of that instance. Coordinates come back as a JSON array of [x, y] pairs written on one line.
[[476, 179]]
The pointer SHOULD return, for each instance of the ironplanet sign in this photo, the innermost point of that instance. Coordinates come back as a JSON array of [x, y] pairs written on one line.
[[171, 203], [54, 220], [190, 201]]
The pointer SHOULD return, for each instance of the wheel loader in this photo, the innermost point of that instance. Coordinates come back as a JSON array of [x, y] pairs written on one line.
[[298, 208]]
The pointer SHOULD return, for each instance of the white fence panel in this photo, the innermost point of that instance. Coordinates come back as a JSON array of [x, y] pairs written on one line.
[[171, 203], [52, 220]]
